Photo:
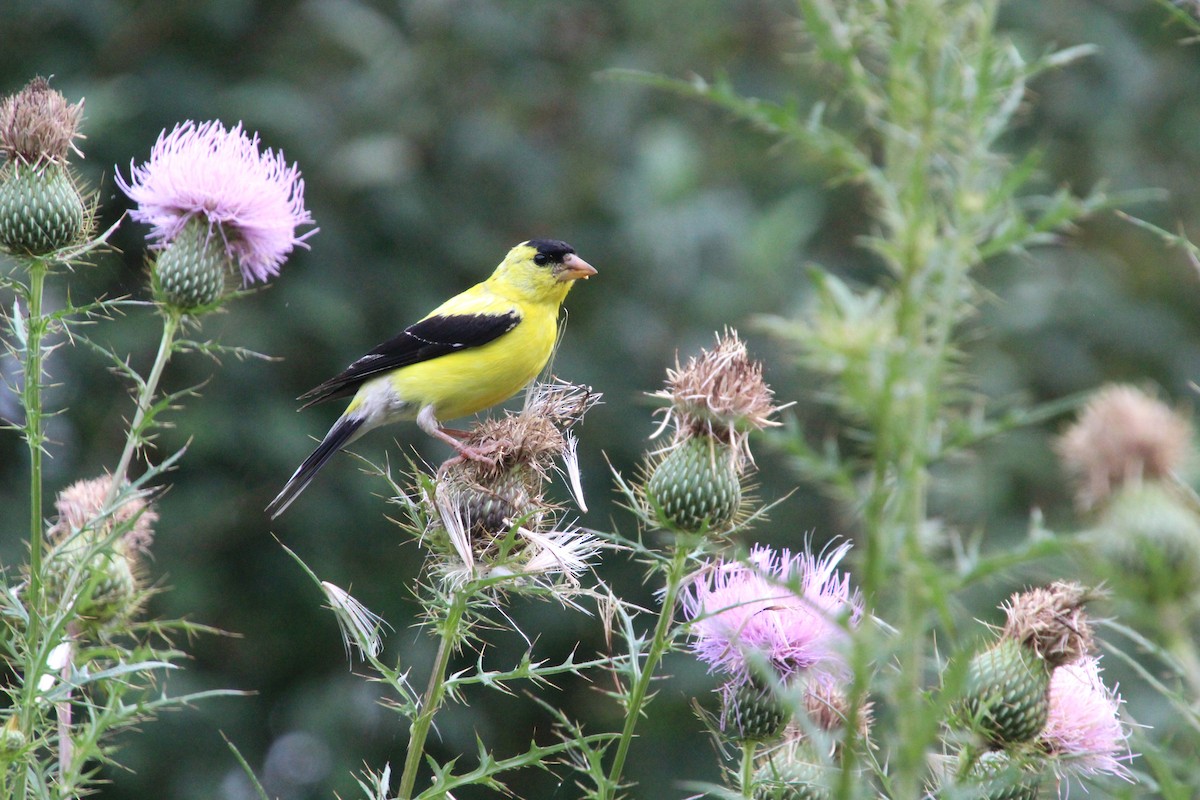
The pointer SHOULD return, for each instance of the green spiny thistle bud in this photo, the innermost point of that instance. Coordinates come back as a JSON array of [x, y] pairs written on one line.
[[41, 209], [103, 577], [1150, 544], [190, 273], [753, 712], [995, 775], [1007, 692], [791, 778], [697, 482]]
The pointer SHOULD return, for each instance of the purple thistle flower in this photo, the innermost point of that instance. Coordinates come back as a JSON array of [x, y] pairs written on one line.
[[252, 199], [1084, 725], [741, 609]]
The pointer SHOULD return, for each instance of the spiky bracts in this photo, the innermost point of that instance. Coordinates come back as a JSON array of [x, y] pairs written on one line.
[[1036, 699], [1006, 691], [697, 485], [1148, 538], [1008, 683], [41, 207], [1001, 775], [713, 403], [493, 513], [1125, 454], [794, 772]]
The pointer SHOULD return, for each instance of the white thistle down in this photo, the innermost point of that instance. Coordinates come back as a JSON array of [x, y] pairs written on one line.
[[361, 628]]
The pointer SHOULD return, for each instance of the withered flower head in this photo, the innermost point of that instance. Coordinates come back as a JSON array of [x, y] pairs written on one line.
[[1123, 435], [494, 510], [1051, 622], [719, 393], [533, 437], [80, 504], [38, 125]]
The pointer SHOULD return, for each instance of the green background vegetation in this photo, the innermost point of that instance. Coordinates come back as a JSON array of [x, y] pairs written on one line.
[[432, 136]]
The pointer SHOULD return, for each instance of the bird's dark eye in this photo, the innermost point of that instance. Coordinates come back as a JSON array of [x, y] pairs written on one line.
[[540, 259]]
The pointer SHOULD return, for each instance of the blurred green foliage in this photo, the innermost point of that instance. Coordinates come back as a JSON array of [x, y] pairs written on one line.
[[433, 135]]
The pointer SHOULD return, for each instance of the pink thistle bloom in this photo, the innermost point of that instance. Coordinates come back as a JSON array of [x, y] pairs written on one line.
[[789, 609], [251, 198], [1084, 725]]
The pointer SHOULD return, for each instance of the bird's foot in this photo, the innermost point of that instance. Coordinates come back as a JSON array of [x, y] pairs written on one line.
[[465, 451], [468, 453]]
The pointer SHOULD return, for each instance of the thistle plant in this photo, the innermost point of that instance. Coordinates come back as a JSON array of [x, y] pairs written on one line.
[[41, 207], [713, 404], [1008, 684], [1035, 700], [490, 530], [692, 491], [1127, 454], [74, 635], [776, 625], [216, 204], [917, 99]]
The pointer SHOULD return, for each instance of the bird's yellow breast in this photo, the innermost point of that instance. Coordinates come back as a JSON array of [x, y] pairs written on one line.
[[469, 381]]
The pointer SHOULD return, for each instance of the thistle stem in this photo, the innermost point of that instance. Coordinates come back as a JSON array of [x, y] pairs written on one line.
[[749, 748], [35, 330], [31, 399], [435, 692], [171, 321], [658, 647]]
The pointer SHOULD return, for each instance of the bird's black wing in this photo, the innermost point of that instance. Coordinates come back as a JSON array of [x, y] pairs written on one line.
[[430, 338]]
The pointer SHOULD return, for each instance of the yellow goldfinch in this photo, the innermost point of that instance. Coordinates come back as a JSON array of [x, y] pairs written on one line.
[[476, 349]]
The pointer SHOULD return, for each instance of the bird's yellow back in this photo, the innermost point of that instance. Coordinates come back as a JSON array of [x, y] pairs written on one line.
[[464, 383]]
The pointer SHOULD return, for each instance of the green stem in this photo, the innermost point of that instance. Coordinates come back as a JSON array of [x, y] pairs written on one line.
[[658, 647], [434, 694], [35, 330], [171, 321], [749, 748], [31, 398]]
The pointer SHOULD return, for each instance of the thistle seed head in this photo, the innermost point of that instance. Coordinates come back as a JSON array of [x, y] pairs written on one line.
[[1051, 622], [38, 125], [1123, 435]]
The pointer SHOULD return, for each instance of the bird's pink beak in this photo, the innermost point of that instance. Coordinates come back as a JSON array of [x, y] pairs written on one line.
[[573, 268]]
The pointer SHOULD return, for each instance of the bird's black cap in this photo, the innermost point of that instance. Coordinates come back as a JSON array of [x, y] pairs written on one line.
[[553, 249]]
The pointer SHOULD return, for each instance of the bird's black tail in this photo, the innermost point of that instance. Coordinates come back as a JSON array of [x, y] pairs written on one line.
[[339, 436]]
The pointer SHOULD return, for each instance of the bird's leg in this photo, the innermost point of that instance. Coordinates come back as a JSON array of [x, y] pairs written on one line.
[[427, 422]]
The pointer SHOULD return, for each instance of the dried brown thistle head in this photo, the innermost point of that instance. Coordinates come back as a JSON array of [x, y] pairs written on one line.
[[720, 394], [1051, 621], [1123, 436], [38, 125], [532, 437]]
